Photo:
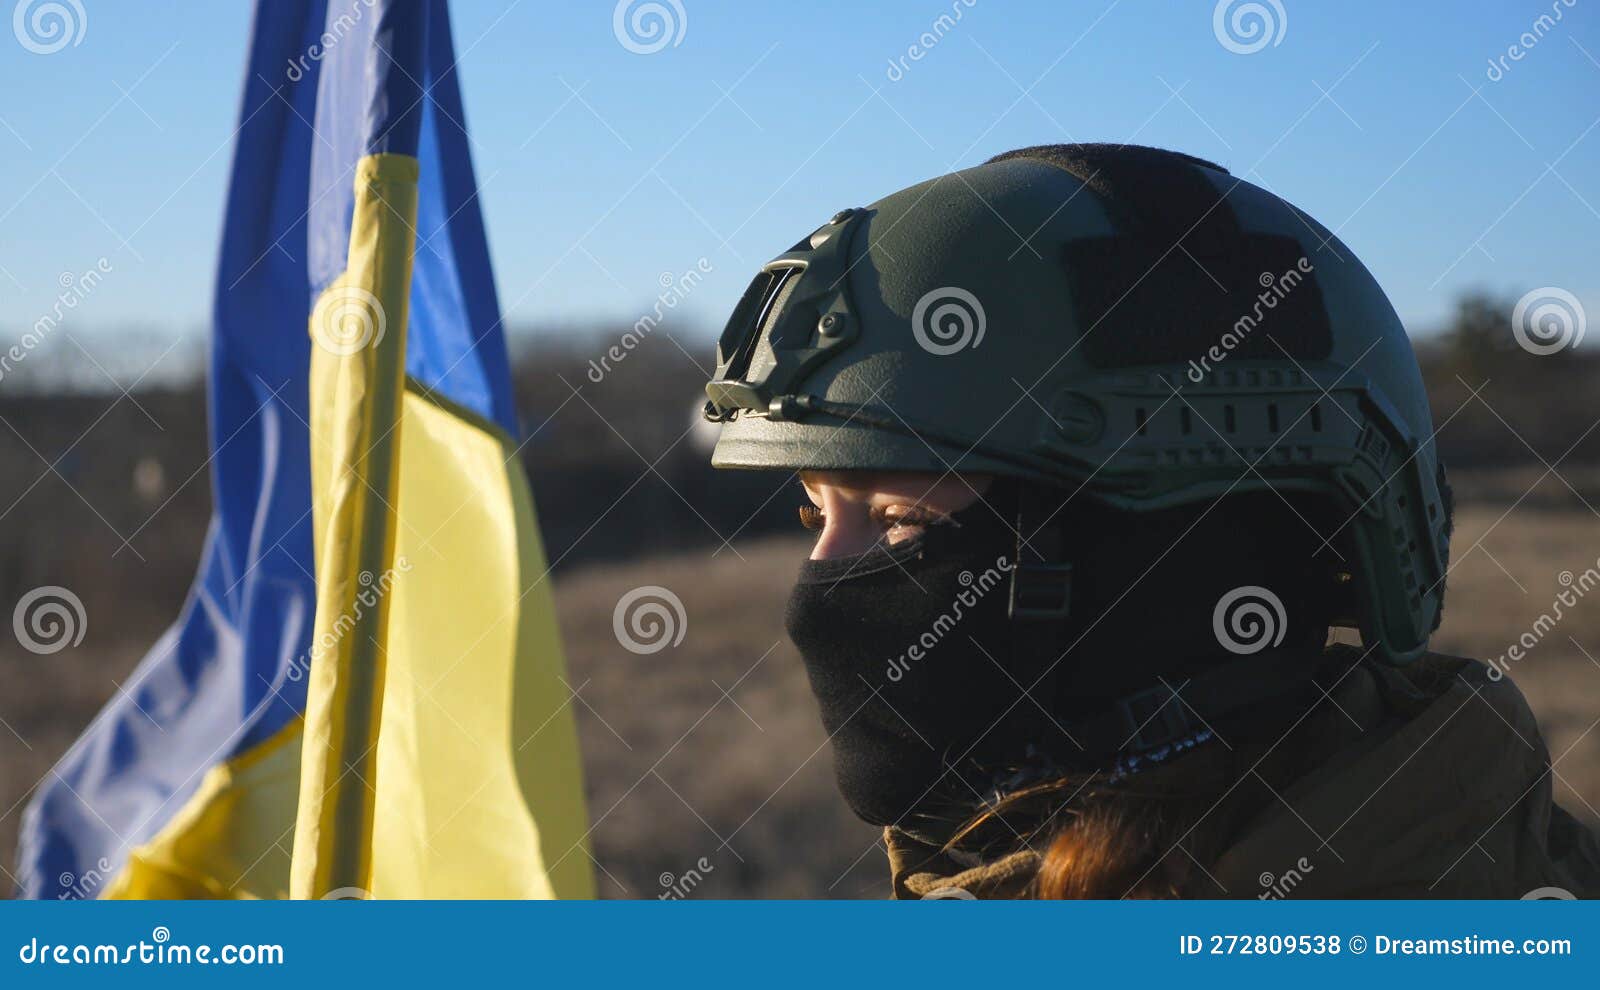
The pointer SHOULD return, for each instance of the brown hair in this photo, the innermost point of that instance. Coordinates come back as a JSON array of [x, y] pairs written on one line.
[[1121, 844], [1154, 835]]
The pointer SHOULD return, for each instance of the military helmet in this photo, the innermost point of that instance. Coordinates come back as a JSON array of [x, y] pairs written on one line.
[[1130, 324]]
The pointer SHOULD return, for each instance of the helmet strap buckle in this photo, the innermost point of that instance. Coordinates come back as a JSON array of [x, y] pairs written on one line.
[[1155, 717]]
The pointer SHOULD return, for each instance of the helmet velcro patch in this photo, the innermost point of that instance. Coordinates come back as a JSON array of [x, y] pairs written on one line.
[[1245, 296]]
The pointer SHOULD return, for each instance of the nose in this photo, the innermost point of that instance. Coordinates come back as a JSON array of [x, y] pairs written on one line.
[[848, 530]]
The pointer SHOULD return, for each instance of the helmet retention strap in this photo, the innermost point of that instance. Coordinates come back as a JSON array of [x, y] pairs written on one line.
[[1040, 606]]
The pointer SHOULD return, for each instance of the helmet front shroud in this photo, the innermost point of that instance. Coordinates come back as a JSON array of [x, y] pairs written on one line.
[[1133, 325]]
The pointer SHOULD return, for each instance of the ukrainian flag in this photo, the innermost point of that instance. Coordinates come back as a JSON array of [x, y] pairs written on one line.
[[364, 694]]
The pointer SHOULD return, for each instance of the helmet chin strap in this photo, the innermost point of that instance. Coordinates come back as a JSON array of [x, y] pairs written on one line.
[[1040, 607]]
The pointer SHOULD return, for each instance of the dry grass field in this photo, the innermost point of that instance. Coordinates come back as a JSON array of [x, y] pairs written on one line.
[[709, 754]]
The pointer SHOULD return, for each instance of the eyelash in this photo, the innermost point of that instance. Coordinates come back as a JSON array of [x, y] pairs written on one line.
[[887, 516]]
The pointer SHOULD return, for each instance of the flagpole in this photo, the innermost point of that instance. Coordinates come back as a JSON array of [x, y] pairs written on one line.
[[357, 382]]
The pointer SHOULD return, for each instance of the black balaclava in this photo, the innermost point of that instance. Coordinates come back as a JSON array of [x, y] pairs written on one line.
[[908, 647], [897, 643]]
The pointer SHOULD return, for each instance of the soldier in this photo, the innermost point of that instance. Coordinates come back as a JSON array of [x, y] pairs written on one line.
[[1101, 443]]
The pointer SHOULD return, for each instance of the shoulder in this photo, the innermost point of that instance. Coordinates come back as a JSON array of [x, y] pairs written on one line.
[[1442, 682], [1441, 674]]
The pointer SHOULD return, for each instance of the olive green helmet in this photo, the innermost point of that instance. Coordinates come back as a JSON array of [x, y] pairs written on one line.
[[1134, 325]]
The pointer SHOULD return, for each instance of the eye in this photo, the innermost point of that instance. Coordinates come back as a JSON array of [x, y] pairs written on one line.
[[890, 517], [900, 516]]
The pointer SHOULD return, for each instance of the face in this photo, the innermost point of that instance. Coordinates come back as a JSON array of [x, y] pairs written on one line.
[[899, 617], [853, 510]]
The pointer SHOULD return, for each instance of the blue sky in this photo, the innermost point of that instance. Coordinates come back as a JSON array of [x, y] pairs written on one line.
[[603, 168]]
